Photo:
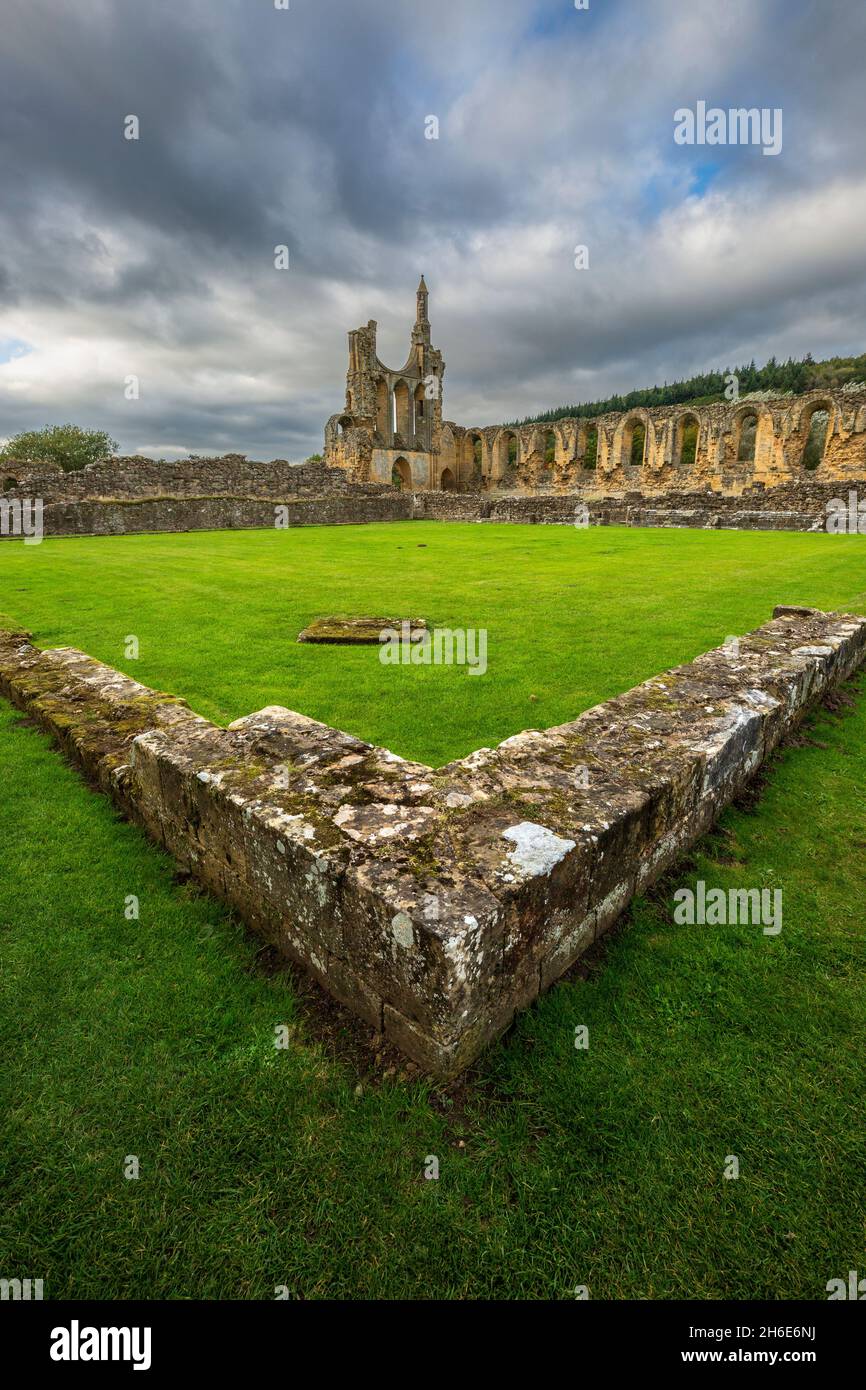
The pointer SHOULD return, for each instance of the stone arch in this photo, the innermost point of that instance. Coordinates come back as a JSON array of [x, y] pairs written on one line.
[[815, 426], [687, 436], [447, 482], [549, 452], [634, 442], [746, 429], [402, 422], [448, 451], [473, 456], [401, 475], [589, 445], [507, 450]]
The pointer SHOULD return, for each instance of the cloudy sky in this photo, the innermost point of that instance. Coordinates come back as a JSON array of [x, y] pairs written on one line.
[[305, 127]]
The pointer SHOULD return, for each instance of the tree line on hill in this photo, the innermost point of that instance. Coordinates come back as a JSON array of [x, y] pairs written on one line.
[[794, 376]]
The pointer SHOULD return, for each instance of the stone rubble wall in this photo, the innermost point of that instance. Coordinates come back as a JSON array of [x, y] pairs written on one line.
[[174, 514], [232, 475], [801, 508], [437, 903], [133, 495], [121, 496], [797, 507]]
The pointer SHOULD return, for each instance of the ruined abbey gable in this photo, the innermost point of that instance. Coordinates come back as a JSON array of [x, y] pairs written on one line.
[[392, 431]]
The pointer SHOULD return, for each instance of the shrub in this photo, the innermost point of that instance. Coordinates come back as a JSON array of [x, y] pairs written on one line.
[[64, 446]]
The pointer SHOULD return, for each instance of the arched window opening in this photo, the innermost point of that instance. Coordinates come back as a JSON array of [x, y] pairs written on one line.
[[748, 439], [816, 440], [687, 452], [508, 450], [635, 444], [401, 409]]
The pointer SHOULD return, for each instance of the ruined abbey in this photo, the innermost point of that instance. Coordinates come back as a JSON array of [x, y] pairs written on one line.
[[758, 463], [392, 431], [437, 903]]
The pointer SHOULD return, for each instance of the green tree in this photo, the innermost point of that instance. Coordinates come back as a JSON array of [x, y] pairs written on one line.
[[63, 446]]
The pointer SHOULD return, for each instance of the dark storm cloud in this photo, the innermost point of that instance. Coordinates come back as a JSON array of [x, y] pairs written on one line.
[[306, 127]]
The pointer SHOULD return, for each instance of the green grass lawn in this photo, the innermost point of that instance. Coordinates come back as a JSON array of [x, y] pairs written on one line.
[[573, 617], [263, 1167]]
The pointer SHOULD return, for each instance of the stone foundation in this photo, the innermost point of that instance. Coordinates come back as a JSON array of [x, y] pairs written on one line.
[[436, 903]]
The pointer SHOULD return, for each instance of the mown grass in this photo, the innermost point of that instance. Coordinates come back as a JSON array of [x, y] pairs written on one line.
[[262, 1167], [572, 616]]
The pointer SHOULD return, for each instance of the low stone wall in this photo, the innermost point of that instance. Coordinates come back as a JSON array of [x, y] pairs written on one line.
[[437, 903], [218, 514], [139, 495], [801, 507], [128, 478], [453, 506]]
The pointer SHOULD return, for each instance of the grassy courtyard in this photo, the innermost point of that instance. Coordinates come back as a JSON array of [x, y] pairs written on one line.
[[572, 617], [558, 1168]]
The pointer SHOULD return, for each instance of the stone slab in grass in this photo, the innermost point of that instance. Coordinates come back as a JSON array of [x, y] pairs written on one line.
[[359, 632]]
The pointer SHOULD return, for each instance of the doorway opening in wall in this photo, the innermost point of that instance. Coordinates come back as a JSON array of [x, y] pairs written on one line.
[[401, 475], [447, 482]]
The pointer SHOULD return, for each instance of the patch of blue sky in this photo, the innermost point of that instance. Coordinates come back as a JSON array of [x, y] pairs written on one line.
[[10, 348]]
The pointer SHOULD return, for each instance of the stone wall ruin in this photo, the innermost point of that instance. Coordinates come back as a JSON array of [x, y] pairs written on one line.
[[437, 903], [726, 448]]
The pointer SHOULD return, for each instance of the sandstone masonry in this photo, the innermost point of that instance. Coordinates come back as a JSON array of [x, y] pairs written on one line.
[[391, 431], [757, 464]]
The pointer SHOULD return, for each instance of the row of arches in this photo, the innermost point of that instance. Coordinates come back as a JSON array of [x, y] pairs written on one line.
[[401, 477], [634, 438], [401, 410]]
